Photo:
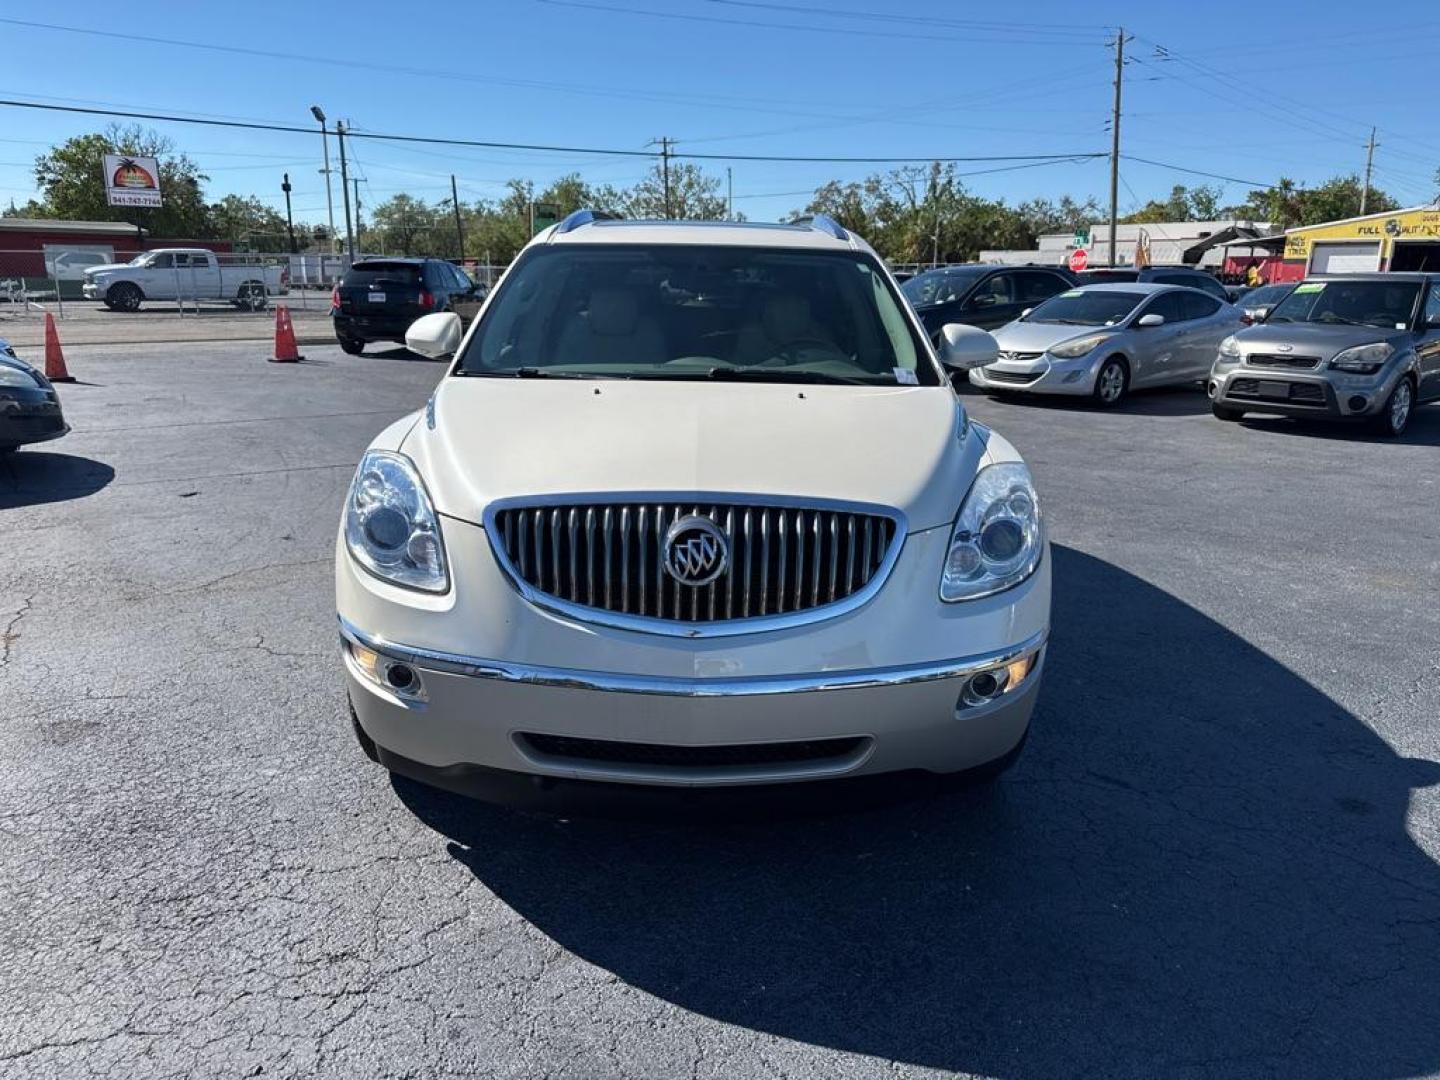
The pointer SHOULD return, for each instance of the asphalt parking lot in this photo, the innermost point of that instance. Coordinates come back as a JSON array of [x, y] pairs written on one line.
[[1218, 855]]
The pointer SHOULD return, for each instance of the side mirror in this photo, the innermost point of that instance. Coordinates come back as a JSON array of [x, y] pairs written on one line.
[[965, 347], [436, 336], [1026, 313], [984, 300], [1153, 319]]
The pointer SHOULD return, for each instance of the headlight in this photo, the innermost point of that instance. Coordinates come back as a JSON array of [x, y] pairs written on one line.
[[18, 377], [1230, 347], [1069, 350], [1363, 359], [998, 538], [390, 526]]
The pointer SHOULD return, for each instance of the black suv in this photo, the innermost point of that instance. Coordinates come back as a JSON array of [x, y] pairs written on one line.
[[378, 299], [983, 296], [1158, 275]]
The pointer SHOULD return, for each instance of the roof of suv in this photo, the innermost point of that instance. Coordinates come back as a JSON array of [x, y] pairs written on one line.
[[593, 230], [1413, 276]]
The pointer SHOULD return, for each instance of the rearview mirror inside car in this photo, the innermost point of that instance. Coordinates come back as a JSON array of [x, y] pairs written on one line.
[[965, 347], [1152, 319], [436, 336]]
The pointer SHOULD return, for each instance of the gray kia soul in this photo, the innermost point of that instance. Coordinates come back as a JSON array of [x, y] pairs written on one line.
[[1356, 346]]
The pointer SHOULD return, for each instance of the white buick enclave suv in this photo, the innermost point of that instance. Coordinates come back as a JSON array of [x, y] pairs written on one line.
[[694, 504]]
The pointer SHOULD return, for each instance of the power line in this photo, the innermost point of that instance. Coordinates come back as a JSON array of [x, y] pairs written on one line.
[[612, 152], [919, 20], [1197, 172], [584, 5]]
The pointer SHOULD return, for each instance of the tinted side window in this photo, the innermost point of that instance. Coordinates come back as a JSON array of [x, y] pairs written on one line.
[[994, 291], [1170, 305], [1035, 285], [1432, 304], [1197, 305]]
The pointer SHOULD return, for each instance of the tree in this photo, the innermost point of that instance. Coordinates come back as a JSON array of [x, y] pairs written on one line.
[[1288, 205], [405, 225], [242, 218], [72, 183], [694, 195], [1184, 204]]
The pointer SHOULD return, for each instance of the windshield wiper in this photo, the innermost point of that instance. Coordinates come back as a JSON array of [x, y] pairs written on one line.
[[1331, 317], [779, 375]]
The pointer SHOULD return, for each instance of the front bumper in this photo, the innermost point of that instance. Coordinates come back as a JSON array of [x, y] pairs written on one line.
[[1320, 392], [873, 691], [30, 416], [92, 291], [1043, 376]]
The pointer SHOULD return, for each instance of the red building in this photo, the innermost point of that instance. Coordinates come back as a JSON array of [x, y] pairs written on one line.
[[42, 250]]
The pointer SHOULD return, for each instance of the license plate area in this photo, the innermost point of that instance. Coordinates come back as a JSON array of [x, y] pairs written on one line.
[[375, 298], [1276, 391]]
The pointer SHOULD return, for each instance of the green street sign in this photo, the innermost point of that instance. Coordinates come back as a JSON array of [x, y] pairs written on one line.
[[1080, 240], [542, 216]]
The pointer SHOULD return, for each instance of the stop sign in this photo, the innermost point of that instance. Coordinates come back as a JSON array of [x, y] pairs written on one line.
[[1078, 260]]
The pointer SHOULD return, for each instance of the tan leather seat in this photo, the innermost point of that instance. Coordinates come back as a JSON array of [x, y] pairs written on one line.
[[611, 331]]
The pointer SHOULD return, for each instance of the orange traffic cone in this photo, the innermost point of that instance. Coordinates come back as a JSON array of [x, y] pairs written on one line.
[[286, 351], [54, 359]]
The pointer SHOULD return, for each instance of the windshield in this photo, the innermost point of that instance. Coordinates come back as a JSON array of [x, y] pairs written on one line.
[[1084, 307], [1264, 296], [1387, 304], [142, 260], [664, 311], [939, 286]]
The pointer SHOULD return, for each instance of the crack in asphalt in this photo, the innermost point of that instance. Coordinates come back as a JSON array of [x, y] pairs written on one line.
[[9, 635]]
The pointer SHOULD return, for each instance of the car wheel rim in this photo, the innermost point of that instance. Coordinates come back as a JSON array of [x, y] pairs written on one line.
[[1400, 407], [1112, 381]]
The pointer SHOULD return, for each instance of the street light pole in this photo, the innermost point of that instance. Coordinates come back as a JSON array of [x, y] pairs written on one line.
[[319, 115]]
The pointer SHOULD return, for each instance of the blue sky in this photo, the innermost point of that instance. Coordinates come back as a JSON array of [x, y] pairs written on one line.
[[1255, 93]]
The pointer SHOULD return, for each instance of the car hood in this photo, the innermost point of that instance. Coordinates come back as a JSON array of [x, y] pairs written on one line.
[[482, 439], [1314, 339], [1036, 337], [103, 267]]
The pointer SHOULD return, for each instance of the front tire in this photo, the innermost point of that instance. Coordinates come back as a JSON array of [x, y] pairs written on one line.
[[251, 296], [1112, 383], [1224, 412], [125, 296], [1394, 418]]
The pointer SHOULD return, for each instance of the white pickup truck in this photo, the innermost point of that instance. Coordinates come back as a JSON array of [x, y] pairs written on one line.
[[184, 274]]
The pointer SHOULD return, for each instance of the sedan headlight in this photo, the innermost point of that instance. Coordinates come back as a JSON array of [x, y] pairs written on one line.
[[998, 538], [1363, 359], [1230, 347], [1069, 350], [19, 377], [390, 525]]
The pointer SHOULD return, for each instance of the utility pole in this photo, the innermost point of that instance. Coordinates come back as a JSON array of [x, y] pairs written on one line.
[[289, 221], [1369, 162], [455, 205], [729, 195], [345, 190], [1115, 138], [665, 168]]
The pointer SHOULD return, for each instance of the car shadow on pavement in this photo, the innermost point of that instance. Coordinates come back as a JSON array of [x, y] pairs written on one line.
[[400, 352], [1200, 865], [32, 477], [1424, 429], [1161, 401]]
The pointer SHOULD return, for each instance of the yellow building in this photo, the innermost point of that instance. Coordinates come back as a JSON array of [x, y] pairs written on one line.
[[1396, 240]]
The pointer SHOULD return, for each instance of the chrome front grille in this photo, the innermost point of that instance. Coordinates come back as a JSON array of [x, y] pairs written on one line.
[[608, 558], [1282, 360]]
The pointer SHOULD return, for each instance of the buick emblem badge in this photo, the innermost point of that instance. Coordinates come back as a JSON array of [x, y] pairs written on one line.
[[696, 551]]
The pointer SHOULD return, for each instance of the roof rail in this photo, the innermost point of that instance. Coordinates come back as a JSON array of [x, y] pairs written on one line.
[[584, 217], [823, 223]]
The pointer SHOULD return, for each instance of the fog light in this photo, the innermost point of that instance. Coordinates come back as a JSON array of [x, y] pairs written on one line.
[[391, 675], [992, 683], [367, 660], [1358, 403], [401, 676]]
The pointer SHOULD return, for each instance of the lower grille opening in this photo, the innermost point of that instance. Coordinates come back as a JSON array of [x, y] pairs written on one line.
[[1307, 393], [1019, 378], [611, 752]]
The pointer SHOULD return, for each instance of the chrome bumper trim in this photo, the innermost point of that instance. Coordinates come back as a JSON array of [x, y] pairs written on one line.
[[668, 686]]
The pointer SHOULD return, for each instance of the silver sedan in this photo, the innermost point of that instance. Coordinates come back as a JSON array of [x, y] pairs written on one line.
[[1102, 341]]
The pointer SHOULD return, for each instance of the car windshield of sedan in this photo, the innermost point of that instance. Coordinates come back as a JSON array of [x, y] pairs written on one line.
[[1265, 294], [1387, 304], [667, 311], [1081, 307], [940, 286]]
